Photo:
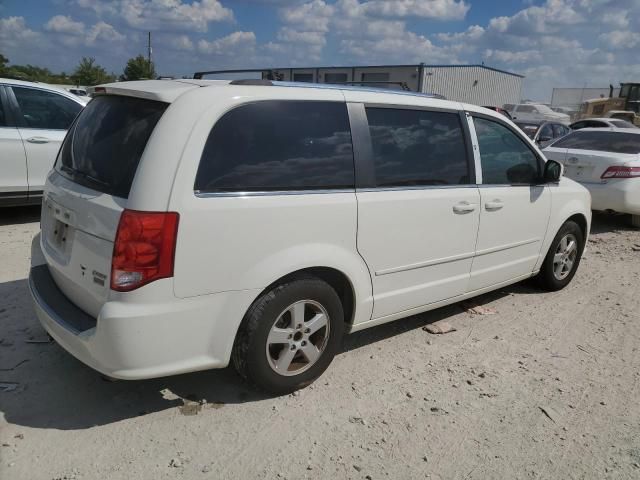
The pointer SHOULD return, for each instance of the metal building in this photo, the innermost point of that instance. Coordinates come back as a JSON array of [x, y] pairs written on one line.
[[477, 84]]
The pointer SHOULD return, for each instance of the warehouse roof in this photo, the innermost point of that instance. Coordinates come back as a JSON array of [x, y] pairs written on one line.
[[423, 65]]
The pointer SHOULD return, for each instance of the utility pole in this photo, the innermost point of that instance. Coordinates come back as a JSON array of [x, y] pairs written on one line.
[[149, 50]]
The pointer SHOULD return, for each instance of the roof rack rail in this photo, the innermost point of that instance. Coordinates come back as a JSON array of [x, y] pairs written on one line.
[[252, 81]]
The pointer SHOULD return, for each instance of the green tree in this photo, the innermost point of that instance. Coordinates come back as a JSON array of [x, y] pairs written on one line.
[[4, 61], [138, 68], [88, 73]]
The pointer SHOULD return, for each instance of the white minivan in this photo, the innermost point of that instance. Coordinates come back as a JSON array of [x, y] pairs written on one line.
[[188, 224]]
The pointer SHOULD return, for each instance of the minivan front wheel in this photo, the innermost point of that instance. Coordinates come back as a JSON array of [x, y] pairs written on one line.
[[290, 335], [563, 257]]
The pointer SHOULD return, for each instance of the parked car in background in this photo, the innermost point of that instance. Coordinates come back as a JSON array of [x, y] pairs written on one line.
[[34, 119], [564, 110], [607, 163], [192, 223], [80, 92], [543, 133], [526, 112], [499, 110], [601, 123]]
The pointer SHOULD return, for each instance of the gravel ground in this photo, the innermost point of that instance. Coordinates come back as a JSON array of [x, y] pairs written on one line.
[[548, 387]]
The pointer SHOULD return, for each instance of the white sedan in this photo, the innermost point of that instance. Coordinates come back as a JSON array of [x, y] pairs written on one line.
[[601, 123], [607, 162], [34, 118]]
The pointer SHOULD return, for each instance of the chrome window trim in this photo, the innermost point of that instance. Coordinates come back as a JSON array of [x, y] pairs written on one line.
[[416, 187], [272, 193], [404, 106]]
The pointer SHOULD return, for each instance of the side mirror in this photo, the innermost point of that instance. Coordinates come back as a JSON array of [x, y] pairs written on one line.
[[553, 171], [544, 138]]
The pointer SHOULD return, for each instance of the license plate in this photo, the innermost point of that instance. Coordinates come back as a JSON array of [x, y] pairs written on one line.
[[59, 235], [58, 225]]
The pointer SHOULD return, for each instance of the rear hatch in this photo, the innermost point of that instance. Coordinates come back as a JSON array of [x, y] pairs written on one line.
[[88, 190]]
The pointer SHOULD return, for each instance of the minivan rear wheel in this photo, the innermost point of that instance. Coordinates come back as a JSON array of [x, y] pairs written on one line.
[[563, 257], [290, 335]]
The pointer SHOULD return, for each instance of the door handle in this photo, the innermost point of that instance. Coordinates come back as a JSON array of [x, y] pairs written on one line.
[[494, 205], [38, 140], [464, 207]]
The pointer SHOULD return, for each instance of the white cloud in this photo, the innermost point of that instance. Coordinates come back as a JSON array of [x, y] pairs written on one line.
[[15, 33], [313, 16], [617, 19], [288, 34], [620, 39], [172, 15], [303, 35], [233, 44], [104, 33], [180, 42], [519, 57], [435, 9], [64, 24], [474, 32]]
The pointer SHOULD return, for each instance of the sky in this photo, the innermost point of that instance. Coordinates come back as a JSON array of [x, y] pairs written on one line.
[[554, 43]]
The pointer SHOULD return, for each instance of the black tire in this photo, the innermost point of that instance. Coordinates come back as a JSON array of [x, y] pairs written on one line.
[[546, 278], [249, 354]]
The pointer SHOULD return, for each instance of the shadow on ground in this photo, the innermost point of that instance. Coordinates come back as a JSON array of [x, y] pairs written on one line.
[[604, 222], [19, 215], [54, 390]]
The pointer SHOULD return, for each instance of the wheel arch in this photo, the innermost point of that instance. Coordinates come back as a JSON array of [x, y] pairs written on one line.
[[582, 222], [572, 211], [337, 279]]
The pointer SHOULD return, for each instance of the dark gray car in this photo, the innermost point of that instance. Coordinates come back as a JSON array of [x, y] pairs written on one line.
[[542, 132]]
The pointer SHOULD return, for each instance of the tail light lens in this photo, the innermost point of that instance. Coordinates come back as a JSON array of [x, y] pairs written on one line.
[[144, 249], [621, 172]]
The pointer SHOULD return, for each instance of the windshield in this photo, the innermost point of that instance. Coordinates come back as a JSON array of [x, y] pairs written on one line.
[[103, 148]]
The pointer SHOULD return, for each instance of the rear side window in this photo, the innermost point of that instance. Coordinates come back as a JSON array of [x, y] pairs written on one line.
[[278, 145], [505, 158], [45, 110], [103, 149], [417, 147], [617, 142]]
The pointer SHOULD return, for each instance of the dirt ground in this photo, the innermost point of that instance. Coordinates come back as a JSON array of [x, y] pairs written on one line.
[[548, 387]]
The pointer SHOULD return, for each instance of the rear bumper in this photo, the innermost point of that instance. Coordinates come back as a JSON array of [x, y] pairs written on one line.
[[620, 195], [136, 341]]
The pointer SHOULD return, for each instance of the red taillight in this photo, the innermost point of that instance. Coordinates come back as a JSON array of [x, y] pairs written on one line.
[[621, 172], [144, 249]]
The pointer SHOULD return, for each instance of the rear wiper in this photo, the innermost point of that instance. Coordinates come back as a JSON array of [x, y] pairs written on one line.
[[86, 176]]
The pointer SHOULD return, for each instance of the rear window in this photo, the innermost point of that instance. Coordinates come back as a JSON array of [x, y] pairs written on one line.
[[103, 148], [616, 142], [622, 124], [278, 145]]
